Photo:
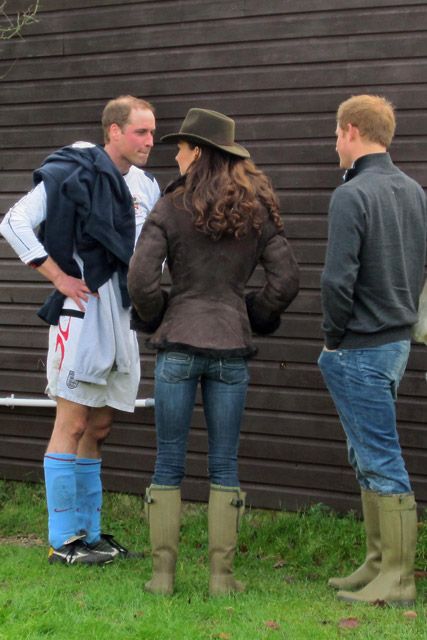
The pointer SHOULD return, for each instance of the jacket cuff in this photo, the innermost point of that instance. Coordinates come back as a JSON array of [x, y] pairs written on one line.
[[149, 325], [262, 321]]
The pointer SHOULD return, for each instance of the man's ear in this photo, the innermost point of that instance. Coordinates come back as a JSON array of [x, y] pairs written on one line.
[[114, 131], [353, 132]]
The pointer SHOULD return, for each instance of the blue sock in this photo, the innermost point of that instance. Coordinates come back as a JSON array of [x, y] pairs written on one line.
[[89, 497], [60, 481]]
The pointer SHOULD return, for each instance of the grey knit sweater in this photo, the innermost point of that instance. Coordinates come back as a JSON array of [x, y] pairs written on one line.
[[375, 258]]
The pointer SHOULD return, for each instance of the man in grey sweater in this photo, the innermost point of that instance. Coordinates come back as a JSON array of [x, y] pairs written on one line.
[[370, 288]]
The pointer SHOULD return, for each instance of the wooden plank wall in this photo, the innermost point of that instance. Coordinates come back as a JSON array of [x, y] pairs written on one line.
[[280, 68]]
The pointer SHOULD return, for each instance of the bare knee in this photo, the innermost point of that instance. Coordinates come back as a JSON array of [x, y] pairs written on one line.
[[71, 423], [98, 432], [75, 426], [99, 424]]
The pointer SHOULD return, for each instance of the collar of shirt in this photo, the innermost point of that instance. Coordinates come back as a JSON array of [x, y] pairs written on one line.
[[364, 162]]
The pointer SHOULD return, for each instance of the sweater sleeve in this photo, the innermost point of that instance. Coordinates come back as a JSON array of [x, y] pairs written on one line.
[[342, 263], [149, 300], [281, 286], [20, 221]]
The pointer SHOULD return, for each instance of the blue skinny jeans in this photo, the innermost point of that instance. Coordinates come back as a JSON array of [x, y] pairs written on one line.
[[224, 383]]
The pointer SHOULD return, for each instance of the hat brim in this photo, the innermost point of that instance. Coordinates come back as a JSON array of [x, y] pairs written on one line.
[[234, 150]]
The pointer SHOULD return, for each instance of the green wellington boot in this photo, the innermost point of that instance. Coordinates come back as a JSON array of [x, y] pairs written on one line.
[[163, 511], [371, 566], [226, 507], [395, 583]]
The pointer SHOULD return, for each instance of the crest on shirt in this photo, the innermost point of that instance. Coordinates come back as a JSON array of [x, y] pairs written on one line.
[[137, 204]]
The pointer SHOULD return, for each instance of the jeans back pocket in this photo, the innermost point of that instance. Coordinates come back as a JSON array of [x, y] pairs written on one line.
[[234, 370], [174, 366]]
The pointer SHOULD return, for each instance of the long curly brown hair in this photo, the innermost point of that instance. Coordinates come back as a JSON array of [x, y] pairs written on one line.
[[226, 195]]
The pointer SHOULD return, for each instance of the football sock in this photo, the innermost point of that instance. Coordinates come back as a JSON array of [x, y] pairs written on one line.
[[89, 497], [60, 482]]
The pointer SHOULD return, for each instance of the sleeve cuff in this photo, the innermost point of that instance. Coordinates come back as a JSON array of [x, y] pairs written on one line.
[[149, 325], [37, 262], [261, 320], [332, 342]]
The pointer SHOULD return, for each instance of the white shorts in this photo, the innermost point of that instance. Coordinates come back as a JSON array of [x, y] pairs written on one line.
[[121, 389]]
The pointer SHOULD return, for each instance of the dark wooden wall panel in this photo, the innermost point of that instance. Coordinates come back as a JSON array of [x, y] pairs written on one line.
[[280, 68]]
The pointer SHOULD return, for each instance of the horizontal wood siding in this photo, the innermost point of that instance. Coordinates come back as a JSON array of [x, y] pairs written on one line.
[[280, 68]]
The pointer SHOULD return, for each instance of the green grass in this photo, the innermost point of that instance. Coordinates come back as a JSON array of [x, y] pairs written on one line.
[[284, 558]]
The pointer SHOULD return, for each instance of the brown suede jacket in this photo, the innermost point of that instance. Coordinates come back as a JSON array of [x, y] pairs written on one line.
[[206, 310]]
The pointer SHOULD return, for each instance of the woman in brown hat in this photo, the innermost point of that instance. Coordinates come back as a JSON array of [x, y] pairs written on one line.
[[213, 224]]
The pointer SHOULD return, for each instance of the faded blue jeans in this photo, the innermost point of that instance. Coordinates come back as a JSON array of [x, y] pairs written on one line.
[[224, 383], [363, 384]]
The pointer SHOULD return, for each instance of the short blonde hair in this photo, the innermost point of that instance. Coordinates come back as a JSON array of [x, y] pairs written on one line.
[[117, 111], [372, 115]]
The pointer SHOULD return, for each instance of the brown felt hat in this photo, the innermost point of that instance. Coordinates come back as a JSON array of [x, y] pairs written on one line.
[[209, 128]]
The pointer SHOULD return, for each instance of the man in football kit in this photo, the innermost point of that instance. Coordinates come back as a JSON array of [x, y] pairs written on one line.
[[89, 203]]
